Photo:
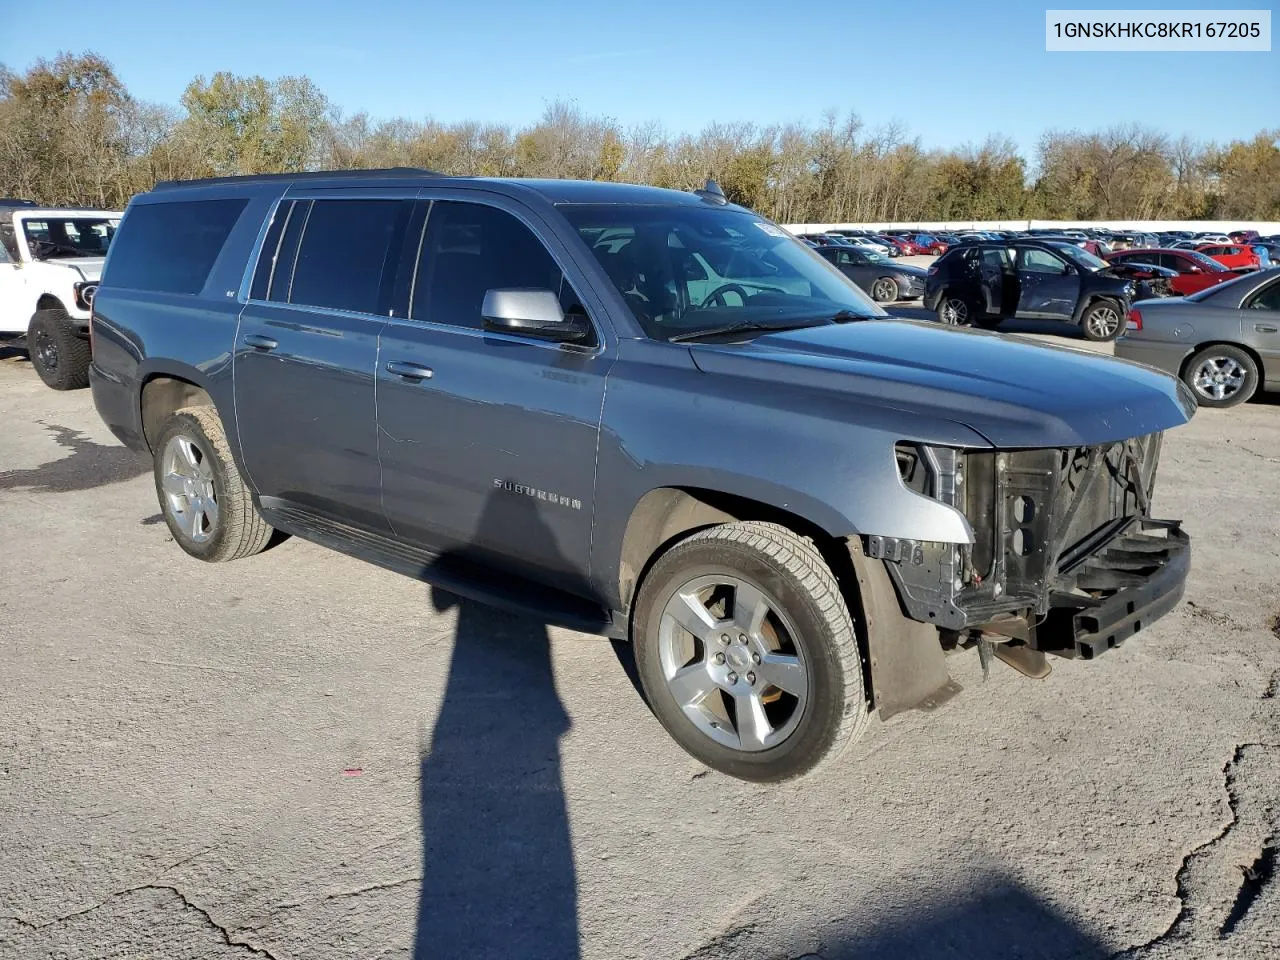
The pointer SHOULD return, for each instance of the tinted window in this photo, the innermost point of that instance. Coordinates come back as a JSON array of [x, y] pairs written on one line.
[[171, 247], [270, 251], [470, 248], [343, 253]]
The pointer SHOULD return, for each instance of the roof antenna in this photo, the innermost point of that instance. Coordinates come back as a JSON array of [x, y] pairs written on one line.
[[712, 192]]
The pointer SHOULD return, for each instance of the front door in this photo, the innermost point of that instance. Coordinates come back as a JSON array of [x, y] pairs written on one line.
[[488, 440], [1260, 324], [1049, 286], [306, 351], [15, 310]]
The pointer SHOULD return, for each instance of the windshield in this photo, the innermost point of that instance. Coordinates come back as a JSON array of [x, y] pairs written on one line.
[[52, 237], [682, 269], [1206, 263], [1081, 256]]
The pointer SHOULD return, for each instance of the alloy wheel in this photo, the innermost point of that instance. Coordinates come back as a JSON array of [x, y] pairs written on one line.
[[1104, 322], [733, 662], [955, 313], [187, 482], [1219, 378]]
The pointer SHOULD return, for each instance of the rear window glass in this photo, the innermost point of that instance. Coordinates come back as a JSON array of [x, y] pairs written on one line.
[[171, 247]]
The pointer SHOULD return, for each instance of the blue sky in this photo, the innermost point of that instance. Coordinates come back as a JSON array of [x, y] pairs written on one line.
[[951, 72]]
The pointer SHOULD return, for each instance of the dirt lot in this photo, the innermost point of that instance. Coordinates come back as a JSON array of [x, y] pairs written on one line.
[[303, 756]]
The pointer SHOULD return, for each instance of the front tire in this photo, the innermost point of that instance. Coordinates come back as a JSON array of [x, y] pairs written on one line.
[[58, 352], [884, 290], [1102, 320], [1221, 376], [206, 505], [747, 653]]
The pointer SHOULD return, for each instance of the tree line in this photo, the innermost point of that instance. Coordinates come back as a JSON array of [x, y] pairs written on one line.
[[71, 134]]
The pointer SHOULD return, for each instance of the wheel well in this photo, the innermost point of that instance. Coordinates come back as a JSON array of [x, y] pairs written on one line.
[[667, 514], [162, 396], [48, 301], [1253, 354]]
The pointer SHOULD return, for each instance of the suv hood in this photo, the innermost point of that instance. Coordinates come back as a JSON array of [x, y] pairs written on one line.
[[1014, 392], [89, 268]]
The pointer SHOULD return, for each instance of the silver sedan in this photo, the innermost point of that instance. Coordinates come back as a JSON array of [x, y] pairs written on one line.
[[1224, 342]]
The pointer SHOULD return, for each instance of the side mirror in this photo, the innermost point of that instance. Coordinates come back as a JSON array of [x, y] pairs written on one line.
[[1195, 270], [1067, 270], [532, 313]]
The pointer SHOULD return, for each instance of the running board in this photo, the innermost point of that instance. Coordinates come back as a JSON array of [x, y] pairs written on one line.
[[460, 576]]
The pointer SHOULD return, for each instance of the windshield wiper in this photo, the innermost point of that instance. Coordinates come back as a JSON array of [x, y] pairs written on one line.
[[741, 326], [845, 316]]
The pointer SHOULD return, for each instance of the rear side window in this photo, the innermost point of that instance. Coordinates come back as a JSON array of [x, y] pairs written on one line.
[[342, 256], [171, 247]]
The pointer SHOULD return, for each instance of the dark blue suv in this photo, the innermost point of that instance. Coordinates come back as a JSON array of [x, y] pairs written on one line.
[[643, 413]]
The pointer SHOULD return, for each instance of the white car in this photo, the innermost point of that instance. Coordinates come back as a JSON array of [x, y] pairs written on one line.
[[866, 243], [1213, 238], [50, 263]]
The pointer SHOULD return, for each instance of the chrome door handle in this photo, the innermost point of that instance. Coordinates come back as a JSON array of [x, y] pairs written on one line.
[[410, 371], [259, 342], [1264, 328]]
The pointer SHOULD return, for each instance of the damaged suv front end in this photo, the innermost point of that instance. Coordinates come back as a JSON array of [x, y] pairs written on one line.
[[1065, 558]]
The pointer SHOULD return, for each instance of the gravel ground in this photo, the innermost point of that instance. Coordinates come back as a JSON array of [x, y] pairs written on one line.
[[303, 756]]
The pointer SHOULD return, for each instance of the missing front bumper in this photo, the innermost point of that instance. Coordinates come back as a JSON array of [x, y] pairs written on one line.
[[1136, 579]]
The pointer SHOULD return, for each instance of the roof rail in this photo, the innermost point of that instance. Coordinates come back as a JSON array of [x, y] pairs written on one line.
[[385, 172]]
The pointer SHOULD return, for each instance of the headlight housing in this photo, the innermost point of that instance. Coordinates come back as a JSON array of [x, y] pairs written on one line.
[[85, 292]]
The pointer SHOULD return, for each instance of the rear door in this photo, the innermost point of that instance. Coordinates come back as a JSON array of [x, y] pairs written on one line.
[[488, 440], [307, 348], [1049, 286]]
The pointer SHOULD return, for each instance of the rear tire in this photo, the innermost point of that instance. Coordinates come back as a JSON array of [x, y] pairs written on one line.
[[58, 352], [1221, 376], [770, 684], [206, 505], [955, 311]]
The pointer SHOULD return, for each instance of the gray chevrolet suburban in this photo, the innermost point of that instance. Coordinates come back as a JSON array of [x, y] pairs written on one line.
[[641, 413]]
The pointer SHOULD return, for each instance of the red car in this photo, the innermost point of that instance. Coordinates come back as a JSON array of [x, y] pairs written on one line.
[[908, 246], [1195, 270], [929, 244], [1230, 255]]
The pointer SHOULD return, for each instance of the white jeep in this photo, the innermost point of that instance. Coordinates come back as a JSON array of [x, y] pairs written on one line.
[[50, 262]]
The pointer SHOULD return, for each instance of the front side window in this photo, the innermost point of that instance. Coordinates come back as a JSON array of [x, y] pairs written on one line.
[[762, 274], [59, 237], [342, 255], [1039, 261], [469, 249]]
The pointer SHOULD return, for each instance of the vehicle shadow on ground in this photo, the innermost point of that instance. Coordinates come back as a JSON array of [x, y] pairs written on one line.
[[991, 917], [498, 876], [90, 465], [10, 352], [1052, 328]]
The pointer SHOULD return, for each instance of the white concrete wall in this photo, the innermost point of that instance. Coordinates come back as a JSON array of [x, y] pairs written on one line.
[[1264, 227]]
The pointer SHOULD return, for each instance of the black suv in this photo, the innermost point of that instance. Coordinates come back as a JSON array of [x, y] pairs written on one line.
[[987, 282]]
